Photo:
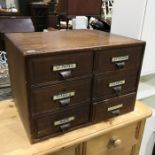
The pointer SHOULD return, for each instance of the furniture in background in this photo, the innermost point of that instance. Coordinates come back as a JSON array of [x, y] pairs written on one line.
[[118, 136], [53, 17], [43, 14], [53, 21], [79, 7], [39, 13], [9, 7], [107, 7], [14, 24], [21, 5], [68, 9], [10, 24]]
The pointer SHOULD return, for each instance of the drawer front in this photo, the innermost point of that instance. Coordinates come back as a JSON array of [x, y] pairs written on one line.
[[118, 59], [68, 151], [59, 67], [112, 85], [113, 107], [117, 142], [60, 96], [63, 121]]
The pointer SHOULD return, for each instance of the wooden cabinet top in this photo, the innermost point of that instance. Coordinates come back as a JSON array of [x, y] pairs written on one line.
[[15, 142], [58, 41]]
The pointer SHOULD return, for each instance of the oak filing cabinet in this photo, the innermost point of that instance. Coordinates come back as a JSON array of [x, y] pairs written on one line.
[[65, 80]]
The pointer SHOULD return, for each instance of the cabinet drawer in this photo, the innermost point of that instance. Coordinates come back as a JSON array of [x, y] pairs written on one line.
[[62, 121], [112, 85], [60, 96], [59, 67], [68, 151], [118, 59], [113, 107], [119, 141]]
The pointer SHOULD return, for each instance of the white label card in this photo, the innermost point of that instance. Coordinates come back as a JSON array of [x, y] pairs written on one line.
[[63, 121], [62, 96], [115, 107], [121, 58], [117, 83], [64, 67]]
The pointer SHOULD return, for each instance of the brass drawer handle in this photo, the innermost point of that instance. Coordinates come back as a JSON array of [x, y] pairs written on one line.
[[120, 65], [65, 74], [65, 102], [65, 127], [117, 90], [116, 112], [115, 142], [120, 61]]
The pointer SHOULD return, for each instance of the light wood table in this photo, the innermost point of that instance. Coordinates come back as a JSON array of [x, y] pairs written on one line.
[[84, 141]]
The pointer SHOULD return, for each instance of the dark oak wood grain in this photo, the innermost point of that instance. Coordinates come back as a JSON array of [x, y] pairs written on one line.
[[41, 68], [113, 107], [16, 64], [107, 61], [103, 90], [67, 41], [48, 124], [42, 97], [76, 69]]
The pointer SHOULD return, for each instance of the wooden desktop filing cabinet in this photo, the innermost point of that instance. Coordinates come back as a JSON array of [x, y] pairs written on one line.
[[64, 80]]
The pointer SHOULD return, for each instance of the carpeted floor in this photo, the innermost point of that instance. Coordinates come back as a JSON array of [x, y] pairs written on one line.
[[5, 93], [5, 90]]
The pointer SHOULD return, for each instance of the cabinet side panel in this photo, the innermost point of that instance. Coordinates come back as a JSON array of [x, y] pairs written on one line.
[[62, 7], [16, 63]]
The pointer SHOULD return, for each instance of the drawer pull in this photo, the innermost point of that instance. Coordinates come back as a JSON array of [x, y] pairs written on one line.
[[117, 90], [120, 65], [64, 102], [116, 112], [120, 58], [115, 142], [65, 74], [65, 127]]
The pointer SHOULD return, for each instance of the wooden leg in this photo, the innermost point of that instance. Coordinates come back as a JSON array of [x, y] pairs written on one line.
[[67, 22], [59, 24], [88, 21]]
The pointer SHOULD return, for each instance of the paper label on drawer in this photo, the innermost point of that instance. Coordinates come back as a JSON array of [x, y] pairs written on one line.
[[63, 121], [115, 107], [116, 83], [62, 96], [64, 67], [121, 58]]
